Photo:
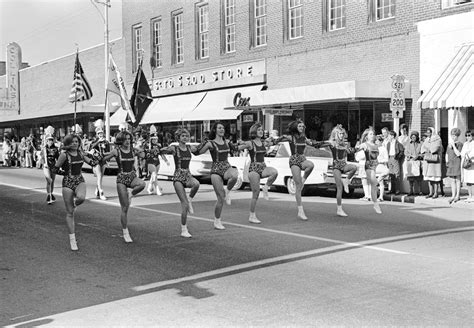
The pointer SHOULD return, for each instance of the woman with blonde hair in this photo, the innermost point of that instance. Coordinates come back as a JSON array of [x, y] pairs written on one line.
[[182, 178], [371, 151], [257, 149], [71, 160], [340, 148]]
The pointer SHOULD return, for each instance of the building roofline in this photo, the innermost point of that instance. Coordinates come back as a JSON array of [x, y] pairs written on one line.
[[71, 54]]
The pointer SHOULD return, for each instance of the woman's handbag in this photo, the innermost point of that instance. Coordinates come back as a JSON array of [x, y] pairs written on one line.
[[431, 158], [467, 162], [411, 168]]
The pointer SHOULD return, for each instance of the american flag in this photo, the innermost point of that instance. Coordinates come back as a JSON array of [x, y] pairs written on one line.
[[81, 89]]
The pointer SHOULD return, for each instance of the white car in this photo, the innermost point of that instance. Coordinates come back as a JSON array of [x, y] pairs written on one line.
[[199, 165], [278, 157]]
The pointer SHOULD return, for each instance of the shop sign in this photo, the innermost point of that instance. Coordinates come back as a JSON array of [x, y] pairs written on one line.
[[387, 117], [247, 118], [13, 78], [237, 74], [278, 111]]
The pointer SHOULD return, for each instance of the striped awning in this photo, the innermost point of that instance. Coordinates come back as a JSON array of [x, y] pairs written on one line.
[[454, 88]]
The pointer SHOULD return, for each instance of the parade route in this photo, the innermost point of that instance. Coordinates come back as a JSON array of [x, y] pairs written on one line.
[[410, 266]]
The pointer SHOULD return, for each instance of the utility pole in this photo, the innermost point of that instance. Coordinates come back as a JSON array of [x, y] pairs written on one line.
[[105, 18]]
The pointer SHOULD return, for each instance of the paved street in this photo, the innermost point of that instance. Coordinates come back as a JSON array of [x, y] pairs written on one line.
[[413, 265]]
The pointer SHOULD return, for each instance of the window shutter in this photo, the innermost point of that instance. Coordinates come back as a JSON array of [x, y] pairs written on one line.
[[252, 23], [222, 34], [324, 15], [370, 11]]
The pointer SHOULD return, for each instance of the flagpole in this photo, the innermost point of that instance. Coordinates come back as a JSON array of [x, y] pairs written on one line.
[[75, 91]]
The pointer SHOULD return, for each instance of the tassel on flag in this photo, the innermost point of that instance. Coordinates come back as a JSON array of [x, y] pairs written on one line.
[[117, 85], [141, 95], [81, 89]]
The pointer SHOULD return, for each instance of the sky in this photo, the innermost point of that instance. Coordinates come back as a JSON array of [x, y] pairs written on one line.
[[49, 29]]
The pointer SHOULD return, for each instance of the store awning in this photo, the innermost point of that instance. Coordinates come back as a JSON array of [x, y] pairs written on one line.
[[212, 105], [172, 108], [319, 93], [118, 117], [455, 86]]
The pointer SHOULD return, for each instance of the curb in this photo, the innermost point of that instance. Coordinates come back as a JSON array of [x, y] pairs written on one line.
[[399, 198]]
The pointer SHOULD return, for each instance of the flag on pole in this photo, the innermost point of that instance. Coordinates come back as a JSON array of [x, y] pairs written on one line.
[[141, 95], [81, 89], [117, 85]]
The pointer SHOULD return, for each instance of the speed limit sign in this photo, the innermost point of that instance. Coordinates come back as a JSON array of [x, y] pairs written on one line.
[[397, 101]]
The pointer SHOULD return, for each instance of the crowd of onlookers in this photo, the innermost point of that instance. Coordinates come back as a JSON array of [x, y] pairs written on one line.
[[25, 152], [416, 158]]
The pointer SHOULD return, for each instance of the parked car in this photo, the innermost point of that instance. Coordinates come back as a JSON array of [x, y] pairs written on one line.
[[199, 166], [278, 157]]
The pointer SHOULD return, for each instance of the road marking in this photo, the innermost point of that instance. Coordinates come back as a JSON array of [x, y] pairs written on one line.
[[363, 244], [302, 255]]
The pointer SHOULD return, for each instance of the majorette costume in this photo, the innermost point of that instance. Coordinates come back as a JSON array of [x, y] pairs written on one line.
[[257, 158], [153, 149], [219, 154], [125, 162], [297, 147], [100, 146], [371, 154], [182, 158], [73, 171]]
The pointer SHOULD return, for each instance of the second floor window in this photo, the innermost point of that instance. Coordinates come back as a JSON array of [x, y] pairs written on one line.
[[137, 46], [203, 31], [260, 23], [157, 43], [336, 14], [295, 19], [178, 38], [385, 9], [229, 26], [453, 3]]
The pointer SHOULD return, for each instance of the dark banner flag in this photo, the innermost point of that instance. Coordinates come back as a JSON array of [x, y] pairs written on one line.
[[141, 96]]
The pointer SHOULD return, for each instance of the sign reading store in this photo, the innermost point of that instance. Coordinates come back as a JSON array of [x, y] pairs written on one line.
[[217, 77]]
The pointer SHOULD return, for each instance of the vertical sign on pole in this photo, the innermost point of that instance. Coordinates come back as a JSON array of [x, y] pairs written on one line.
[[397, 100]]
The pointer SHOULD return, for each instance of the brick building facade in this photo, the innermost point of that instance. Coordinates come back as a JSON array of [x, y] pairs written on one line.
[[372, 44]]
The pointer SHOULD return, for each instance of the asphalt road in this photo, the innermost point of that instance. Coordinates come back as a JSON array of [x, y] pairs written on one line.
[[413, 265]]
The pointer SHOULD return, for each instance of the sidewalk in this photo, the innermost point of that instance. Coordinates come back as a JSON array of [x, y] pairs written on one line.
[[440, 201]]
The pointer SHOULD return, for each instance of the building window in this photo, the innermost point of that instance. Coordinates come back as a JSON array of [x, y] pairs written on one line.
[[203, 31], [178, 42], [384, 9], [229, 26], [336, 14], [259, 23], [137, 53], [157, 45], [454, 3], [295, 19]]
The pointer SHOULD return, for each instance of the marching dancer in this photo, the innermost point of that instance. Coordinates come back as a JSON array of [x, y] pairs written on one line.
[[258, 170], [371, 153], [152, 156], [71, 160], [182, 177], [125, 154], [50, 156], [298, 162], [221, 169], [340, 149], [99, 148]]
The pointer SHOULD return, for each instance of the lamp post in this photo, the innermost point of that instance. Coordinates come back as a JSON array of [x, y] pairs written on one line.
[[105, 18]]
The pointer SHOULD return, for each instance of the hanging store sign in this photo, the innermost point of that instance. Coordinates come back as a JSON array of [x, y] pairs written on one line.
[[12, 101], [224, 76], [277, 111]]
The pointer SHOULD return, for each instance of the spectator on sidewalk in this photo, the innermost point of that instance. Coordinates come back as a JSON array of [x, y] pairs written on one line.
[[412, 164], [467, 157], [453, 164], [432, 152]]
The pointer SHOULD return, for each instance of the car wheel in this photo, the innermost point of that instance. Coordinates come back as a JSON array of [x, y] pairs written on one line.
[[290, 185], [239, 184]]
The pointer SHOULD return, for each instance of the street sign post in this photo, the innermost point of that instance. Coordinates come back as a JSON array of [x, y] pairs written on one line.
[[397, 100]]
